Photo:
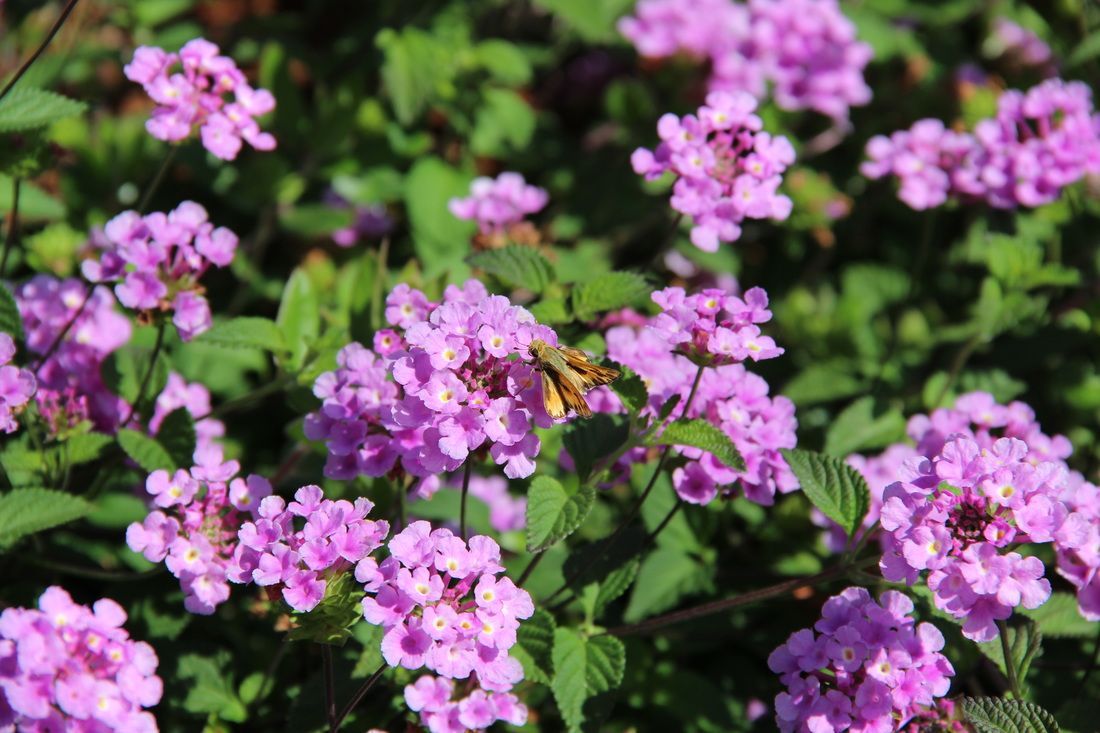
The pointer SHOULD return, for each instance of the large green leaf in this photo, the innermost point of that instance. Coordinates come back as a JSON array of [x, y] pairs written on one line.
[[299, 316], [25, 108], [177, 435], [518, 266], [146, 452], [997, 715], [245, 332], [441, 240], [534, 646], [553, 513], [588, 441], [701, 434], [833, 486], [584, 667], [25, 511], [609, 292], [863, 425]]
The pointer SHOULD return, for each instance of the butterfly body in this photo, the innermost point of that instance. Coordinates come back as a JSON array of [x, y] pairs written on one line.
[[567, 374]]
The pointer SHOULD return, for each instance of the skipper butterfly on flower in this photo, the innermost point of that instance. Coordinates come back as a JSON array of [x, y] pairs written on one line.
[[566, 375]]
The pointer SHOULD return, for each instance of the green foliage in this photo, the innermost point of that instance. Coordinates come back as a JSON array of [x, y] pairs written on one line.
[[146, 451], [177, 435], [515, 265], [864, 426], [25, 511], [589, 441], [608, 292], [535, 644], [1059, 617], [25, 108], [995, 715], [833, 486], [553, 513], [10, 322], [1024, 645], [299, 317], [210, 689], [331, 621], [700, 434], [440, 239], [245, 332], [631, 390], [584, 667]]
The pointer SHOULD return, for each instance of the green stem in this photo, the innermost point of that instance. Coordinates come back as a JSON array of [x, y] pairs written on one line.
[[358, 696], [379, 282], [1010, 663], [13, 225], [162, 171], [462, 505], [148, 376], [330, 688], [77, 571], [961, 357], [65, 330], [652, 536], [41, 47], [530, 569]]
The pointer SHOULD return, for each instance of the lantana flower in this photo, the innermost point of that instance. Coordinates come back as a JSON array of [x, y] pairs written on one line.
[[17, 386], [496, 203]]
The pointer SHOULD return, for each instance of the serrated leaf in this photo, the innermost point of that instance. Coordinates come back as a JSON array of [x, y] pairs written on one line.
[[1060, 617], [552, 513], [614, 585], [145, 451], [535, 637], [84, 448], [518, 266], [605, 665], [299, 317], [1024, 644], [587, 441], [25, 108], [11, 322], [25, 511], [177, 435], [551, 311], [997, 715], [631, 390], [609, 292], [833, 486], [701, 434], [22, 467], [246, 332], [584, 668], [864, 426]]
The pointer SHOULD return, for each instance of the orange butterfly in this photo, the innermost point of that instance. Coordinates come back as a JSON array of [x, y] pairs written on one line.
[[566, 375]]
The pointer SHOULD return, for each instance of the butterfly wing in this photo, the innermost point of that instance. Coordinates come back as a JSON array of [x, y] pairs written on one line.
[[552, 399], [591, 375], [562, 393]]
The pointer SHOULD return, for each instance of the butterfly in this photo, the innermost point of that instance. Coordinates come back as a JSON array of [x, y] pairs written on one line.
[[566, 375]]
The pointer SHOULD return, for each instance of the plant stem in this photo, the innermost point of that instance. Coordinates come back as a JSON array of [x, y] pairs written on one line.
[[148, 376], [272, 666], [529, 569], [724, 604], [462, 504], [76, 571], [275, 385], [358, 696], [379, 281], [157, 178], [330, 688], [1010, 663], [65, 330], [41, 47], [957, 365], [13, 225], [652, 536]]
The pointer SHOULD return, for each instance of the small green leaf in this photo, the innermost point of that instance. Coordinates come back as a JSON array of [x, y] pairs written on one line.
[[552, 513], [84, 448], [209, 689], [516, 265], [299, 317], [997, 715], [1086, 50], [631, 390], [146, 452], [124, 370], [551, 311], [11, 322], [28, 510], [833, 486], [25, 108], [864, 426], [609, 292], [315, 220], [587, 441], [415, 69], [606, 664], [177, 435], [503, 125], [535, 638], [701, 434], [1060, 617], [504, 61], [440, 239], [246, 332]]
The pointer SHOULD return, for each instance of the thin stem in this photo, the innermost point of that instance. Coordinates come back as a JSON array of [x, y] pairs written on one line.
[[725, 604], [379, 281], [358, 696], [13, 225], [272, 666], [652, 537], [957, 365], [65, 330], [157, 178], [148, 376], [330, 688], [77, 571], [41, 47], [462, 504], [1092, 664], [530, 569], [1010, 664], [275, 385]]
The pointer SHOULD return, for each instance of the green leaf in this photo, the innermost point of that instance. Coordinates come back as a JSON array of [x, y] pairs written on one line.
[[504, 61], [1060, 617], [535, 639], [504, 124], [631, 390], [822, 383], [609, 292], [701, 434], [315, 220], [833, 486], [84, 448], [11, 322], [1024, 644], [863, 425], [177, 435], [584, 668], [124, 370], [1086, 50], [25, 108], [592, 20], [299, 317], [551, 311], [22, 467], [516, 265], [210, 690], [34, 203], [28, 510], [245, 332], [587, 441], [997, 715], [146, 452], [440, 239], [552, 513], [597, 596], [331, 620], [666, 575], [416, 70]]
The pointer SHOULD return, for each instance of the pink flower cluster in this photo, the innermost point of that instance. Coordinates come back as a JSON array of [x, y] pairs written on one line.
[[439, 713], [868, 669], [336, 535], [158, 259], [1039, 142], [194, 526], [727, 169], [17, 386], [1022, 47], [805, 49], [507, 513], [728, 396], [455, 388], [496, 203], [194, 95], [713, 327], [1077, 544], [70, 389], [193, 397], [68, 667], [443, 608]]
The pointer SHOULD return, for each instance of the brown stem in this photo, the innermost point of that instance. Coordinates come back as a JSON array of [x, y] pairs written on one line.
[[41, 47], [462, 504], [359, 695]]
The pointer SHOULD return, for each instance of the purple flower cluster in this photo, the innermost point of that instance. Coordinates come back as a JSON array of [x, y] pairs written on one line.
[[70, 389], [1077, 543], [805, 49], [455, 388], [158, 259], [335, 536], [431, 697], [194, 95], [194, 526], [17, 386], [497, 203], [727, 169], [68, 667], [368, 222], [1022, 47], [728, 396], [1039, 142], [193, 397], [713, 327], [443, 608], [868, 669]]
